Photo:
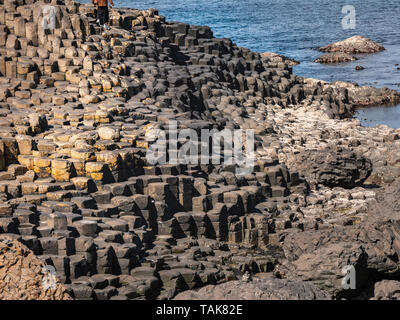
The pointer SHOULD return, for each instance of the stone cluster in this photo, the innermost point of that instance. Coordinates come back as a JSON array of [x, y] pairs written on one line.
[[345, 50], [76, 105]]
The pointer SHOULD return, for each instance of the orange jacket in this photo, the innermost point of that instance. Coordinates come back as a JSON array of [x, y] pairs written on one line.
[[102, 3]]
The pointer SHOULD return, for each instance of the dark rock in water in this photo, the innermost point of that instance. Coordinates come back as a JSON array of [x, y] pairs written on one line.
[[335, 57], [353, 45], [359, 68], [257, 289], [333, 167]]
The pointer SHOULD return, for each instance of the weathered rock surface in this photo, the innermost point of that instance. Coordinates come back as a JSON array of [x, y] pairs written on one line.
[[77, 108], [359, 96], [319, 256], [388, 201], [257, 289], [335, 57], [353, 45], [21, 274], [387, 290], [332, 166], [275, 57]]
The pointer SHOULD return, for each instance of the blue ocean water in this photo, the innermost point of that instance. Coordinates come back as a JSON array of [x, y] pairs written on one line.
[[295, 28]]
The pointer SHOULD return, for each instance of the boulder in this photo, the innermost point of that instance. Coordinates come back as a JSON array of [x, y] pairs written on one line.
[[387, 290], [318, 256], [353, 45], [332, 166], [335, 57]]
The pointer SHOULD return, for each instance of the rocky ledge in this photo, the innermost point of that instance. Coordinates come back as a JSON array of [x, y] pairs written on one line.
[[335, 57], [353, 45], [359, 96], [77, 104], [278, 58], [343, 51], [21, 274], [257, 289]]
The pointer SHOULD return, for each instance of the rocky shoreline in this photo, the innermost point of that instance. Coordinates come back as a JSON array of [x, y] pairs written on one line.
[[76, 188]]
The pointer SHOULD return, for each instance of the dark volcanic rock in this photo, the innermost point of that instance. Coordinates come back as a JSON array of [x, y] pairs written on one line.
[[319, 256], [355, 44], [265, 289], [333, 167], [78, 106]]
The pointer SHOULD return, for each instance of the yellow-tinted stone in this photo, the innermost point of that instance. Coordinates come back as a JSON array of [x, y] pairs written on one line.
[[92, 167], [42, 162]]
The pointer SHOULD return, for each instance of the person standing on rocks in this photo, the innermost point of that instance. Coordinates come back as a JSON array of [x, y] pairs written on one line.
[[102, 11]]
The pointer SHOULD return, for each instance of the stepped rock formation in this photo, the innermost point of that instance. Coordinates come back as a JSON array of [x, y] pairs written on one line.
[[318, 257], [78, 109], [21, 275], [274, 57], [359, 96]]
